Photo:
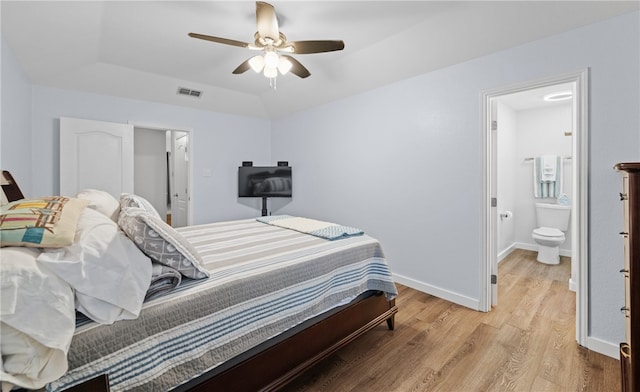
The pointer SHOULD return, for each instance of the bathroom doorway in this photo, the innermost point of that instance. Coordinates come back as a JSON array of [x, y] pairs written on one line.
[[532, 124], [518, 125]]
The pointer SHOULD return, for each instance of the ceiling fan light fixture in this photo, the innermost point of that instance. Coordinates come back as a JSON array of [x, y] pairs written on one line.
[[271, 59], [270, 72], [256, 63], [284, 65]]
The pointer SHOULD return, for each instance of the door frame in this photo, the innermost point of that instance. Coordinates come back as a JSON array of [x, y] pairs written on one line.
[[580, 223], [189, 131]]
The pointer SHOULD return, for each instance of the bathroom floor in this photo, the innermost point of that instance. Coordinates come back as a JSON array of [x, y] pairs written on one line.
[[526, 343], [523, 263]]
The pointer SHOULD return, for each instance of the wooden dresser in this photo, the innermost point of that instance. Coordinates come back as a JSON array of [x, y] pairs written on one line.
[[630, 349]]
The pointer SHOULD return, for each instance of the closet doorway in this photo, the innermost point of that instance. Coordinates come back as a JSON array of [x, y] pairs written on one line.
[[162, 171], [575, 165]]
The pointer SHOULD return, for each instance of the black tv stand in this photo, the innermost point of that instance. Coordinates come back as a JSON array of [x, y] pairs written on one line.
[[264, 206]]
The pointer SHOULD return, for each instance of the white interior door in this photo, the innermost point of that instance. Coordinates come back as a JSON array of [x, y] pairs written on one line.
[[95, 154], [180, 177]]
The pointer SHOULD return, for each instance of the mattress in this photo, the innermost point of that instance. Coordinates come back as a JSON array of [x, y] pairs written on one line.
[[264, 280]]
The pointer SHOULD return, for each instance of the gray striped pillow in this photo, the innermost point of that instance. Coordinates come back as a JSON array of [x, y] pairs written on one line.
[[161, 242]]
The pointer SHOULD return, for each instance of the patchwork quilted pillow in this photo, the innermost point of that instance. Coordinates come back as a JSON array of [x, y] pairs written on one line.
[[131, 200], [48, 222], [161, 242]]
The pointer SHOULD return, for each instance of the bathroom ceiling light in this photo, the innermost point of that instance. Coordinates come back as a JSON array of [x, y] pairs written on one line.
[[561, 96]]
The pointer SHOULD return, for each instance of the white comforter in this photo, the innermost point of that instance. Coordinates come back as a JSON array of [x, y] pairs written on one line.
[[38, 321], [103, 274]]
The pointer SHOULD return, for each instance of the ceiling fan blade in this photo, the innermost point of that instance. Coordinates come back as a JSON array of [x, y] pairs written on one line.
[[242, 68], [219, 40], [267, 21], [306, 47], [297, 68]]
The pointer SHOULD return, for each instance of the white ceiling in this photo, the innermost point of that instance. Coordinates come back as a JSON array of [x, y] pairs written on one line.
[[140, 49]]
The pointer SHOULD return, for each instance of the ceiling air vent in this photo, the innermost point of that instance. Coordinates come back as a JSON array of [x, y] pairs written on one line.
[[189, 92]]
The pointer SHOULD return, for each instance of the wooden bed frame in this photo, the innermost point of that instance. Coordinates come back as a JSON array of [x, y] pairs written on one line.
[[277, 365], [10, 187], [273, 368]]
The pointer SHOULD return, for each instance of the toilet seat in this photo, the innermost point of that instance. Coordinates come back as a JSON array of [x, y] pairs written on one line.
[[548, 232]]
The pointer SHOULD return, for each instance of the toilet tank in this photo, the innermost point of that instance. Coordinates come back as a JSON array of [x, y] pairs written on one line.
[[553, 215]]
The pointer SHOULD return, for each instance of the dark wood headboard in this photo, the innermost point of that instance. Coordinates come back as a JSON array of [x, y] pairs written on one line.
[[10, 187]]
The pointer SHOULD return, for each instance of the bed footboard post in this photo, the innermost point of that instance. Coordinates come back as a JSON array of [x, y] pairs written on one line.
[[391, 321]]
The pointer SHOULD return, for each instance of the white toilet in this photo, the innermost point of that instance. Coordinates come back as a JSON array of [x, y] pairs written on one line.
[[553, 221]]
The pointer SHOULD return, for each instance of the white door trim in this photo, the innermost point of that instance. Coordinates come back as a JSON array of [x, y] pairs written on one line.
[[189, 131], [580, 191]]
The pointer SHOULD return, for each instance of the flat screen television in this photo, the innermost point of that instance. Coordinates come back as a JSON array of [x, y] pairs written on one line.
[[264, 181]]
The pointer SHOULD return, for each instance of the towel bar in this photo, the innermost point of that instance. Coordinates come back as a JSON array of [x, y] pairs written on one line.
[[531, 158]]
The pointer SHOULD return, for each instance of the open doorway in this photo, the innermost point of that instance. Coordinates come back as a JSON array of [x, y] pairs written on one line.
[[571, 151], [532, 124], [162, 171]]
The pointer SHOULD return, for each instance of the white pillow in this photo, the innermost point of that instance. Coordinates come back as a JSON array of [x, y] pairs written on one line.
[[108, 272], [102, 202]]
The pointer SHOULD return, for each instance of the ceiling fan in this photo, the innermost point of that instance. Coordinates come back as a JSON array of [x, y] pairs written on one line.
[[273, 43]]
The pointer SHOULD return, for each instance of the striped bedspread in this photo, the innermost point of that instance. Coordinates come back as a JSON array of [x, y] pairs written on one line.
[[326, 230], [263, 281]]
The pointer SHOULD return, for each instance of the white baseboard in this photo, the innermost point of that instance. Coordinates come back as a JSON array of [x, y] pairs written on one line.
[[603, 347], [573, 286], [506, 252], [522, 245], [438, 292]]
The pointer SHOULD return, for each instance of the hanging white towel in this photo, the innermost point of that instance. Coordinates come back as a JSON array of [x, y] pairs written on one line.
[[549, 165], [547, 176]]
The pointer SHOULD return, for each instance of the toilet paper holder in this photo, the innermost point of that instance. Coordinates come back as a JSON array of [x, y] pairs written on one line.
[[505, 215]]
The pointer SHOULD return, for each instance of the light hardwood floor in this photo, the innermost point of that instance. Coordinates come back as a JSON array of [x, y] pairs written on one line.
[[526, 343]]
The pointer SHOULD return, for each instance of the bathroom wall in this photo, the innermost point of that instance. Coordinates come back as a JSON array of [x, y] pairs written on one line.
[[540, 132]]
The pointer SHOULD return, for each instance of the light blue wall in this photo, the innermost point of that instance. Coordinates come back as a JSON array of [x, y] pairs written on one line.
[[15, 138], [220, 143], [404, 162]]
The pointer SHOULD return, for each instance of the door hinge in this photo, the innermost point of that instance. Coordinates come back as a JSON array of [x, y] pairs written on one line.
[[494, 202], [494, 279], [494, 125]]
